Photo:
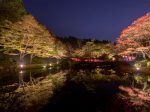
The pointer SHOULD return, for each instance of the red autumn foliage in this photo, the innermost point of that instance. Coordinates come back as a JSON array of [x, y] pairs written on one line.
[[136, 36]]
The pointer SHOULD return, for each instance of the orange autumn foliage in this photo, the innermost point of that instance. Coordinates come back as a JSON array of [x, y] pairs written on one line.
[[136, 36]]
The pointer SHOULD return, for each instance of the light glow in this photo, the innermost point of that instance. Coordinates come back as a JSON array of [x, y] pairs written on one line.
[[21, 65], [44, 66], [137, 68], [21, 72]]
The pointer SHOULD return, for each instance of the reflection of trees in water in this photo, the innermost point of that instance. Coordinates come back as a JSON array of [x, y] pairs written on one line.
[[84, 90], [38, 92], [31, 77], [32, 80], [22, 83], [135, 89], [143, 81], [32, 95]]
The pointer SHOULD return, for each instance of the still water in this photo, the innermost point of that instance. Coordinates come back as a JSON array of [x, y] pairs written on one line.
[[13, 76], [72, 90]]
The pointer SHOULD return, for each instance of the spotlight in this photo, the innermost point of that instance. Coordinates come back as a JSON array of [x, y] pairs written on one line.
[[21, 65]]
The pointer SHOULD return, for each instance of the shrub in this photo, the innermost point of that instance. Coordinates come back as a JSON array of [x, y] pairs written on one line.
[[148, 63]]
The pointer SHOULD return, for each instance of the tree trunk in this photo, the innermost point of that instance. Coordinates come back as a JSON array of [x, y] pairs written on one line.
[[22, 55], [31, 57], [31, 78], [143, 55]]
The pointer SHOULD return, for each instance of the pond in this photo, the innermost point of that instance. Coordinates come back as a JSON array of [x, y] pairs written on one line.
[[74, 90], [25, 74]]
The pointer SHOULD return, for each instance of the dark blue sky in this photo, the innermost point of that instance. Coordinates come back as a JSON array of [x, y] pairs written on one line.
[[100, 19]]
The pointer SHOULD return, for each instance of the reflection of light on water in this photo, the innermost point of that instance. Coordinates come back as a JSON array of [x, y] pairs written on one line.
[[148, 78], [21, 72], [137, 68], [21, 65], [44, 66]]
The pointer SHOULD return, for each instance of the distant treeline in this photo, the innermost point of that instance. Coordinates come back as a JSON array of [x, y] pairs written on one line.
[[76, 42]]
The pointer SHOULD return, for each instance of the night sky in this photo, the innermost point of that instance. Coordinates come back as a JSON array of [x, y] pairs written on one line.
[[100, 19]]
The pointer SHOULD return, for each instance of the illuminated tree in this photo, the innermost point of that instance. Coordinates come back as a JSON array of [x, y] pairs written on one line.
[[136, 37], [60, 49], [29, 37], [71, 43], [21, 34], [94, 50]]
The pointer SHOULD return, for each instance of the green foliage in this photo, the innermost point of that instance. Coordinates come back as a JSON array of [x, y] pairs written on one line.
[[37, 60], [64, 63], [148, 64], [137, 64], [143, 63], [11, 10], [104, 57], [3, 58]]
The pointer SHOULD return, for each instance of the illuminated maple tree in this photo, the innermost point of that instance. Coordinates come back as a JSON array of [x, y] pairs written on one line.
[[21, 31], [136, 37], [29, 37]]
